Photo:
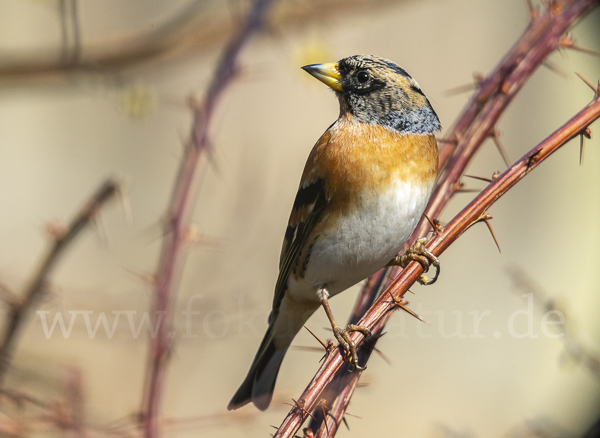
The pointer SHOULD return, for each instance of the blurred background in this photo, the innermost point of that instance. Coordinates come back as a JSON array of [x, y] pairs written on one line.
[[490, 363]]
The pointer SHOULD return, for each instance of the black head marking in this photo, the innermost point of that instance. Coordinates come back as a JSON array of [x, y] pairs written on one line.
[[378, 91], [417, 90], [396, 68]]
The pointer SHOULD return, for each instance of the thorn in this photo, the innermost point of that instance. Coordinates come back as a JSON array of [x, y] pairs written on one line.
[[532, 10], [323, 405], [459, 187], [588, 83], [389, 276], [581, 149], [147, 279], [317, 338], [429, 220], [584, 50], [98, 221], [383, 356], [193, 236], [306, 348], [178, 103], [477, 80], [55, 229], [125, 200], [587, 133], [435, 224], [495, 134], [487, 222], [345, 421], [300, 406], [401, 303], [480, 178], [486, 218], [555, 69], [460, 89], [353, 415], [568, 42]]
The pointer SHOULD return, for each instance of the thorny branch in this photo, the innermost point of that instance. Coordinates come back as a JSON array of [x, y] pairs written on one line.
[[35, 290], [25, 415], [179, 215], [475, 124]]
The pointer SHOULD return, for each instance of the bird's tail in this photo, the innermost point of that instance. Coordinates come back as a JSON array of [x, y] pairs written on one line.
[[259, 384]]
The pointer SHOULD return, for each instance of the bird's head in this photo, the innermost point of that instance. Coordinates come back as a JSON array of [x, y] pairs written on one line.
[[377, 91]]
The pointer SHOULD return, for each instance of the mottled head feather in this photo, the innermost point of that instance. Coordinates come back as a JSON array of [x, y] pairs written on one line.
[[378, 91]]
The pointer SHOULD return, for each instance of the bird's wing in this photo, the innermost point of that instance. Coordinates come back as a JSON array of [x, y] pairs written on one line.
[[307, 211]]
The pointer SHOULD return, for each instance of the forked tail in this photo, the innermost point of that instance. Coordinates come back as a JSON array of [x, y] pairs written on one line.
[[259, 384]]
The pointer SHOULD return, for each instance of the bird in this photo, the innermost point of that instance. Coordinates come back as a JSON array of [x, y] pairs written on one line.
[[364, 188]]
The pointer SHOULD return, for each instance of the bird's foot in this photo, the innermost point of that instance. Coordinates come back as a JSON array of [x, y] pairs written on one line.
[[343, 337], [418, 253]]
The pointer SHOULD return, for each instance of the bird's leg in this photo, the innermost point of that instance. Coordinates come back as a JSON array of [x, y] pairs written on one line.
[[343, 335], [420, 254]]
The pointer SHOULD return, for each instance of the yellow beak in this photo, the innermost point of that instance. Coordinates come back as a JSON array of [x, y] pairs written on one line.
[[327, 73]]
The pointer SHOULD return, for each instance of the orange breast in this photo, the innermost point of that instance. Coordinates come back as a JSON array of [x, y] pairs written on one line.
[[356, 157]]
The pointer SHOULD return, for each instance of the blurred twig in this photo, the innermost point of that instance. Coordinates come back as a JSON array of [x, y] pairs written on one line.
[[574, 347], [537, 428], [475, 124], [18, 311], [180, 210], [74, 402], [70, 30], [440, 241], [540, 428], [193, 28]]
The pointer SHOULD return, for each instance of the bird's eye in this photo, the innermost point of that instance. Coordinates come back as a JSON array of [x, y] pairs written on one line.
[[362, 77]]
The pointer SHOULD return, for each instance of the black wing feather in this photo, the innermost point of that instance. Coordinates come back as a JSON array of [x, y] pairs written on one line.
[[295, 236]]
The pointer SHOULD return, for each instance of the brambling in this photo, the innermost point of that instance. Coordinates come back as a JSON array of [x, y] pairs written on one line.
[[364, 188]]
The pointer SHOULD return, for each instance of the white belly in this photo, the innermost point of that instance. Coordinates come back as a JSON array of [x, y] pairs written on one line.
[[364, 241]]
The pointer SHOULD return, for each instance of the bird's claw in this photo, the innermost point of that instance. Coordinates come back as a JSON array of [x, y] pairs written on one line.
[[343, 338], [418, 253]]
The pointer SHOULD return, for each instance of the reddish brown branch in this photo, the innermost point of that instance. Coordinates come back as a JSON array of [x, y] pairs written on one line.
[[179, 215], [474, 125], [496, 92], [470, 215], [19, 311]]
